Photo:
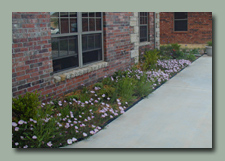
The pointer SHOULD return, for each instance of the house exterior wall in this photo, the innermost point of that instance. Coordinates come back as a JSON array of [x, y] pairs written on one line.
[[199, 29], [32, 58]]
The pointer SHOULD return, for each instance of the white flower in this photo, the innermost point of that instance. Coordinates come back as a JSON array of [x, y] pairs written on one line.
[[16, 143], [21, 122], [84, 134], [17, 129], [49, 143], [69, 141], [14, 124], [74, 139], [34, 137]]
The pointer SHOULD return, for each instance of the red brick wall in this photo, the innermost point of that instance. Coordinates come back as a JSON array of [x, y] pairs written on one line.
[[117, 32], [199, 28], [31, 53]]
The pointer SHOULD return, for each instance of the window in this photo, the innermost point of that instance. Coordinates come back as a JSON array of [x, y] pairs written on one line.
[[143, 26], [180, 21], [76, 39]]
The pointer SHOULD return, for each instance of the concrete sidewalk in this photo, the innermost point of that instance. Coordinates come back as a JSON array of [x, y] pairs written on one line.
[[176, 115]]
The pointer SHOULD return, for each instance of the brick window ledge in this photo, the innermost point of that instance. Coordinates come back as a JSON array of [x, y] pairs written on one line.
[[58, 77]]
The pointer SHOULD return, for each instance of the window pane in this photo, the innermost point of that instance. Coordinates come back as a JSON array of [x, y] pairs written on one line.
[[98, 24], [98, 42], [92, 24], [63, 50], [142, 13], [64, 25], [55, 48], [64, 14], [180, 25], [91, 41], [180, 15], [92, 56], [84, 42], [84, 14], [91, 14], [73, 50], [65, 63], [85, 24], [73, 25], [73, 14], [98, 14], [54, 26], [143, 33]]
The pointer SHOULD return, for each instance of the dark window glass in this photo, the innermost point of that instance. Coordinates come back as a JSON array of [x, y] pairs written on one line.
[[84, 24], [73, 14], [64, 14], [91, 14], [98, 24], [180, 15], [65, 63], [64, 49], [73, 25], [91, 41], [181, 25], [98, 14], [84, 14], [92, 50], [143, 33], [64, 25], [143, 18], [92, 24], [92, 56], [98, 42], [180, 21], [55, 48]]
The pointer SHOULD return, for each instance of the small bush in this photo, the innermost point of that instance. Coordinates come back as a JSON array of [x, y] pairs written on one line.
[[209, 43], [26, 107], [143, 86], [191, 57], [126, 87], [150, 59]]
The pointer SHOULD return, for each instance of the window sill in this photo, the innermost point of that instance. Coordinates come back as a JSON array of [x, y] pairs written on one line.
[[72, 73], [180, 32], [144, 43]]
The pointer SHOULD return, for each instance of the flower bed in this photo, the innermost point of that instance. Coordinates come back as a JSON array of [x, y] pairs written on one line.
[[84, 112]]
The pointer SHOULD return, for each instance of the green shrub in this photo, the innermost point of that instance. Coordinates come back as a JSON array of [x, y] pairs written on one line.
[[179, 55], [194, 51], [26, 107], [107, 90], [209, 43], [176, 46], [150, 59], [126, 87], [143, 86], [190, 57]]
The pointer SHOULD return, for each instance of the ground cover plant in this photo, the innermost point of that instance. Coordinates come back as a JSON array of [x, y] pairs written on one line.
[[84, 112]]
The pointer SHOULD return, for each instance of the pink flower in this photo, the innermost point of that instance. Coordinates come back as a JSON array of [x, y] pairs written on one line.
[[49, 143]]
